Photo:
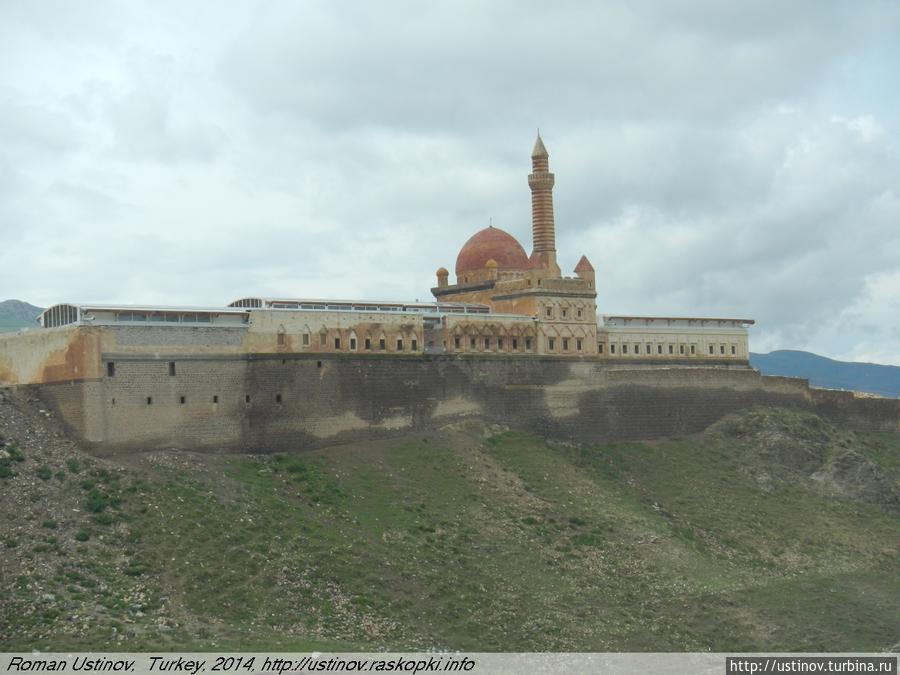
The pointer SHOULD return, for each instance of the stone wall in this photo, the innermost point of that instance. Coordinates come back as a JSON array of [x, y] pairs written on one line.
[[264, 403]]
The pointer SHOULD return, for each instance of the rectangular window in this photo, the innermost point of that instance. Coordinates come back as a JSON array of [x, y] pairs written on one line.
[[149, 400], [599, 347], [183, 400], [381, 344], [369, 343], [693, 351], [579, 313], [171, 368], [399, 344], [528, 344], [624, 349], [721, 349], [515, 344], [487, 343], [711, 349], [415, 345], [637, 350], [247, 397], [277, 398], [612, 349], [281, 339], [110, 369], [659, 349], [215, 399], [500, 343], [306, 339], [472, 343], [456, 343], [353, 344], [337, 343], [648, 348], [681, 349], [549, 312], [565, 313], [551, 344], [565, 344], [733, 350], [322, 338], [671, 349], [578, 345]]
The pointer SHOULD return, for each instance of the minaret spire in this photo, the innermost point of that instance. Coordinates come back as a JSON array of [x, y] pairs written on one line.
[[543, 230]]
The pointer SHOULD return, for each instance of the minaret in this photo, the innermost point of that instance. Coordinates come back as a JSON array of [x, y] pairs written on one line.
[[543, 231]]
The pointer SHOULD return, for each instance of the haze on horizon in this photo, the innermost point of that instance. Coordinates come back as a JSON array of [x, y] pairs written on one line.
[[710, 159]]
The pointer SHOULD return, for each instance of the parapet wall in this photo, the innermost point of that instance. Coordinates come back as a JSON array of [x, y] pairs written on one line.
[[263, 403]]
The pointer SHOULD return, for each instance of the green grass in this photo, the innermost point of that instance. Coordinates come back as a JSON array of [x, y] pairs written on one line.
[[509, 544]]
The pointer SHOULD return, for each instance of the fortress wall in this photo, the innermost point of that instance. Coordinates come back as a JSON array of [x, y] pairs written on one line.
[[128, 339], [49, 355], [331, 399]]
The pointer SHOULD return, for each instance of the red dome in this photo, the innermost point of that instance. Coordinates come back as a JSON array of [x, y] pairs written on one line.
[[491, 243]]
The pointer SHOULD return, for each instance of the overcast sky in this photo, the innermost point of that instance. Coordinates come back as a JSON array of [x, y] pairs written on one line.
[[711, 158]]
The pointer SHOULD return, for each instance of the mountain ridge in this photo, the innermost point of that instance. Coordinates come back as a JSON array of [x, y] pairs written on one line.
[[821, 371], [17, 314]]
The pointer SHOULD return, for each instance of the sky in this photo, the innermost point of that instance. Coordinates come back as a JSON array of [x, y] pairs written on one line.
[[711, 159]]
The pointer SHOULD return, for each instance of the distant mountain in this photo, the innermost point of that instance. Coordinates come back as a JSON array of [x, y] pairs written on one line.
[[828, 373], [15, 314]]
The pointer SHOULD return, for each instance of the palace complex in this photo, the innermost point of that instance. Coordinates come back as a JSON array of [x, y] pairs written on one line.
[[511, 341], [503, 302]]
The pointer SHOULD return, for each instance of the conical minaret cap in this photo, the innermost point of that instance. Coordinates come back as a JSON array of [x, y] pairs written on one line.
[[539, 149]]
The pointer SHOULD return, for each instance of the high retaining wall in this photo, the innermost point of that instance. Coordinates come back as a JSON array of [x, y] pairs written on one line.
[[270, 402]]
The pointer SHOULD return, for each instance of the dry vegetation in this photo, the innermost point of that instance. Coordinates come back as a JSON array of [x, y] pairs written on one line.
[[771, 531]]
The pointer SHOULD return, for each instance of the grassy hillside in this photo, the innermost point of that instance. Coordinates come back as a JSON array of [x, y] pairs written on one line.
[[771, 531], [15, 315], [828, 373]]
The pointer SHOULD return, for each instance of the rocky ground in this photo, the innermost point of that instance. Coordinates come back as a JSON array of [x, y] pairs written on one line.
[[772, 531]]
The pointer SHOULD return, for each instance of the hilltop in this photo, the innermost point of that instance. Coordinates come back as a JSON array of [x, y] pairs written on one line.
[[771, 531], [15, 315], [828, 373]]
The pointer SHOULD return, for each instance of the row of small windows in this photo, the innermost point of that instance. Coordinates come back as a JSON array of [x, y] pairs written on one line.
[[566, 344], [182, 400], [367, 342], [682, 349], [488, 343], [111, 370], [564, 313]]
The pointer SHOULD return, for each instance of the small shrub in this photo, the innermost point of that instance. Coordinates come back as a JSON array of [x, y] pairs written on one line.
[[577, 521], [82, 535], [6, 470], [15, 454], [587, 539], [50, 524], [104, 519], [61, 476], [97, 501], [44, 473], [135, 570], [105, 476], [10, 543], [73, 465]]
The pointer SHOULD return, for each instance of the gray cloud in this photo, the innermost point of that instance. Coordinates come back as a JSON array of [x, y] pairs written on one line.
[[710, 158]]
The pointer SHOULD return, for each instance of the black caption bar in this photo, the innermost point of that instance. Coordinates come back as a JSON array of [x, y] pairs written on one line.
[[880, 665]]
